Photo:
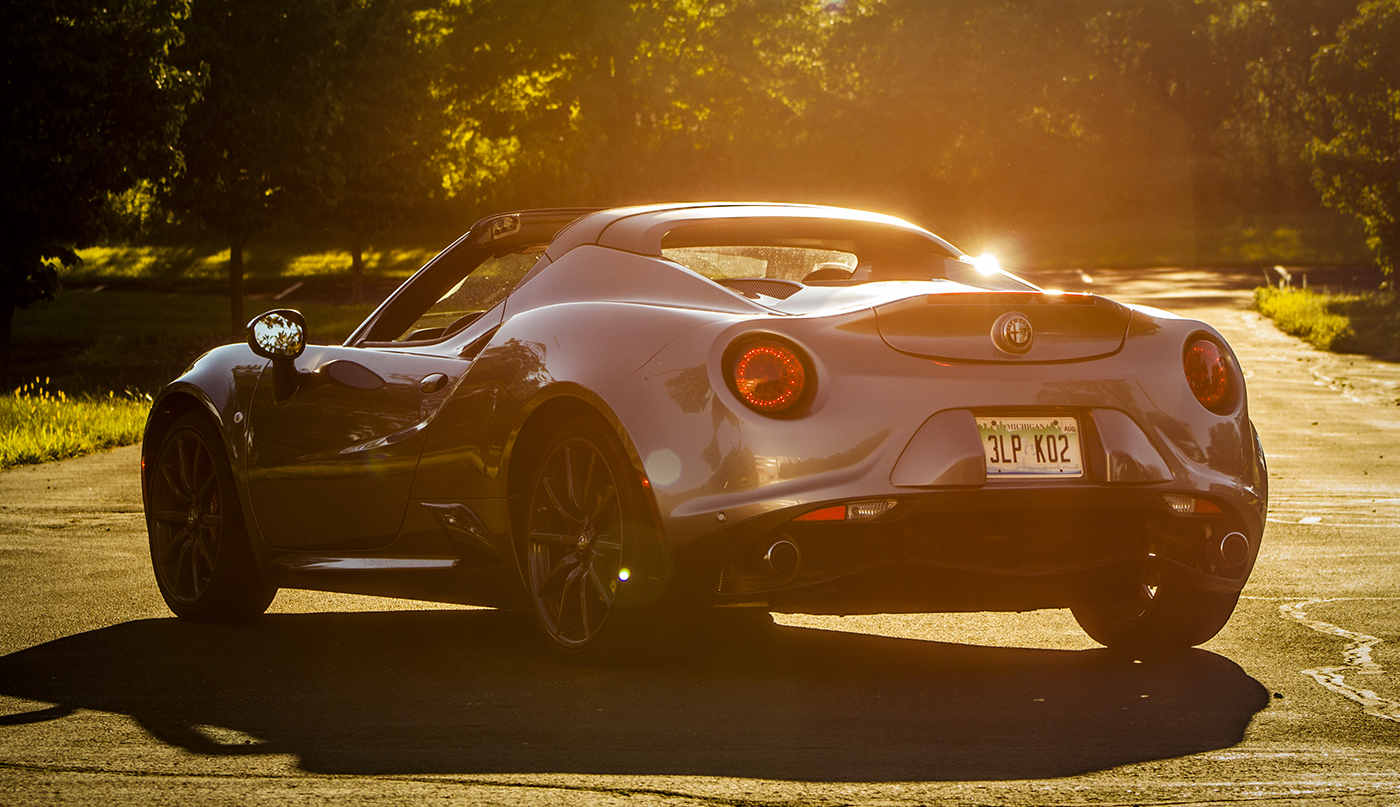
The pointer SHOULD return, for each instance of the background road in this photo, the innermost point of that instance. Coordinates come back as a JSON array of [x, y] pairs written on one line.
[[104, 697]]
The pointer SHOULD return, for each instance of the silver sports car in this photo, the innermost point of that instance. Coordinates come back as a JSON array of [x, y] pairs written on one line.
[[619, 419]]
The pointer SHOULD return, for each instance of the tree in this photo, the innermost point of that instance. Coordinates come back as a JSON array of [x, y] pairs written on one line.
[[966, 111], [392, 131], [1357, 168], [255, 142], [1263, 51], [93, 106], [607, 101]]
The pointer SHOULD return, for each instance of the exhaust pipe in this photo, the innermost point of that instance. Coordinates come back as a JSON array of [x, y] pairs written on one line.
[[1234, 549], [783, 558]]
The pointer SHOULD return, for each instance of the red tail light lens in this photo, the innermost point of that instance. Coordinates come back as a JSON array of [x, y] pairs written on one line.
[[1208, 375], [769, 376]]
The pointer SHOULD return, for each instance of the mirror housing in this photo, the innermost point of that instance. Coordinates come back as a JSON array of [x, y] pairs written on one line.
[[279, 334]]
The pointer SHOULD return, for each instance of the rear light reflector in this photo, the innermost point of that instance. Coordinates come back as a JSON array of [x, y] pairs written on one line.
[[1208, 375], [1189, 505], [769, 376], [837, 513], [854, 511]]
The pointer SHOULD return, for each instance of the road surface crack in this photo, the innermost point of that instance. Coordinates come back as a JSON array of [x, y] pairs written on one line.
[[1357, 656]]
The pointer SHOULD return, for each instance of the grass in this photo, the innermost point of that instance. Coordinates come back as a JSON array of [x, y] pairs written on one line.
[[113, 339], [1345, 322], [211, 263], [289, 257], [37, 425], [89, 341], [84, 316]]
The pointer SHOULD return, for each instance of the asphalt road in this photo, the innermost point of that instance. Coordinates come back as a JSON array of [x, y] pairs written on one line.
[[105, 698]]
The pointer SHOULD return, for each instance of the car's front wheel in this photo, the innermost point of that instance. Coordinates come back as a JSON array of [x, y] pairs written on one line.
[[199, 547], [590, 551], [1147, 612]]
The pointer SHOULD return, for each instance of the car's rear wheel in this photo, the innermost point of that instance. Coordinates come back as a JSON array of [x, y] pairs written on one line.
[[199, 547], [1147, 612], [589, 550]]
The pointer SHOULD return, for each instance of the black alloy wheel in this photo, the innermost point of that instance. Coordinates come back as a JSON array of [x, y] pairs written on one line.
[[199, 547], [587, 521]]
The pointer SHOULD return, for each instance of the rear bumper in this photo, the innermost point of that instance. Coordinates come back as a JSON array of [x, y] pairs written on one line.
[[979, 550]]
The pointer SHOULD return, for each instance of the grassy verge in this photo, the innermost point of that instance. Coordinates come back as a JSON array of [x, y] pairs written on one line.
[[37, 425], [1347, 322]]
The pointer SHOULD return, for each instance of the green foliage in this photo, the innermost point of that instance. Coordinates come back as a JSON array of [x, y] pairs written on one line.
[[1266, 48], [255, 143], [37, 425], [1304, 314], [1357, 169], [92, 106], [1344, 322], [391, 134], [971, 112], [604, 101]]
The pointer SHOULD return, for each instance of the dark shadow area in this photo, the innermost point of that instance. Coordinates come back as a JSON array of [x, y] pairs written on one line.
[[469, 692]]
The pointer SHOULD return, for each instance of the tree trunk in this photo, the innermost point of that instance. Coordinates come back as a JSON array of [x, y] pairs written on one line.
[[7, 319], [357, 263], [235, 287]]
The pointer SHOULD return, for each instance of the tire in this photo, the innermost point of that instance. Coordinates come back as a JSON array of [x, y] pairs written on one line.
[[1147, 614], [203, 562], [590, 557]]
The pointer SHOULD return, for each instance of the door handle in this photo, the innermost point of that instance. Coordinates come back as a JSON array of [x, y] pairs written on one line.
[[432, 383]]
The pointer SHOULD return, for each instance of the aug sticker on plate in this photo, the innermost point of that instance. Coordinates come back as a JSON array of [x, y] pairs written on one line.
[[1031, 448]]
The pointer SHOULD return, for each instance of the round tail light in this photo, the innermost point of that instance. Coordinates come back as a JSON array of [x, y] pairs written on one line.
[[1208, 375], [769, 376]]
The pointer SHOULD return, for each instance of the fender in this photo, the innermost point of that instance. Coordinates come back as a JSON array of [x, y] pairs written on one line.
[[221, 383]]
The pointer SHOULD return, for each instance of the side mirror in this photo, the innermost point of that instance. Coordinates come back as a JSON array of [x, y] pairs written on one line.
[[279, 334]]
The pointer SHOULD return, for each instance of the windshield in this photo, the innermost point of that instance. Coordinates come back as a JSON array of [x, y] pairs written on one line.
[[471, 296]]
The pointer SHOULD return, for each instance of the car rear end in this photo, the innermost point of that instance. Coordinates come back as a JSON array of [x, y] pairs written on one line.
[[958, 449]]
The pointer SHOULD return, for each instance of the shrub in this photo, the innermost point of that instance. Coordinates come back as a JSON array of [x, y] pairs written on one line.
[[37, 425]]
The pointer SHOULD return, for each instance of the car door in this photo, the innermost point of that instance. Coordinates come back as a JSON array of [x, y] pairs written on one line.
[[332, 466]]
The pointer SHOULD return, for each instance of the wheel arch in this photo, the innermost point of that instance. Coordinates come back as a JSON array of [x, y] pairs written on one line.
[[555, 405], [167, 409]]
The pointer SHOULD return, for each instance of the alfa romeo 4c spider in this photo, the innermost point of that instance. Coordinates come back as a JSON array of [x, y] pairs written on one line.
[[616, 420]]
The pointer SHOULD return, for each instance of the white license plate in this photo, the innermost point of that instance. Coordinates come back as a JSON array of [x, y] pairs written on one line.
[[1031, 448]]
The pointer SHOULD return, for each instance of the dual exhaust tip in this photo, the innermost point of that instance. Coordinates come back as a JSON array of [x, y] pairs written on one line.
[[1234, 549], [783, 558]]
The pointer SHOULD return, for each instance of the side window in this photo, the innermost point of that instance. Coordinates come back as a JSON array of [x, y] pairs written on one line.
[[469, 297]]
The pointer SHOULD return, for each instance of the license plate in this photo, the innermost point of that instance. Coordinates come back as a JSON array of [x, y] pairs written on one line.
[[1031, 448]]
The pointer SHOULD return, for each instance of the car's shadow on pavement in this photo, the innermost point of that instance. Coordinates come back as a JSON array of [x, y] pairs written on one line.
[[470, 692]]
